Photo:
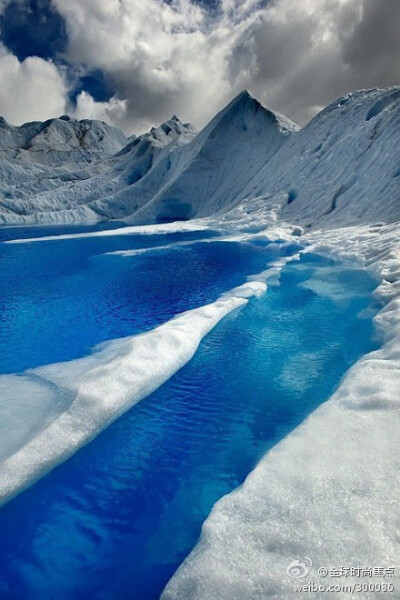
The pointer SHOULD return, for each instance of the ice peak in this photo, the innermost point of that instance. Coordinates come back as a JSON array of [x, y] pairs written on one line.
[[170, 132], [170, 129], [246, 103], [245, 95], [243, 100]]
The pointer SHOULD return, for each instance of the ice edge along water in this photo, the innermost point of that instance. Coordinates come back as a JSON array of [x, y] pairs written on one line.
[[128, 369], [175, 227], [330, 490]]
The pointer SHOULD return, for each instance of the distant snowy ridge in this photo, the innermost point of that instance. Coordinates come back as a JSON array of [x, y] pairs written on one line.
[[148, 179], [340, 168], [68, 171], [57, 140]]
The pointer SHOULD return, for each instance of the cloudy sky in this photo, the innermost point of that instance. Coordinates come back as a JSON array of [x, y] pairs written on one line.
[[135, 63]]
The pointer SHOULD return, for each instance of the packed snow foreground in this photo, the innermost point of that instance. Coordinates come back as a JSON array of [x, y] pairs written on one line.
[[326, 496]]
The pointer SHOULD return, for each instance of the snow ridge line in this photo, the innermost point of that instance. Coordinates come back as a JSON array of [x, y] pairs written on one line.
[[161, 229]]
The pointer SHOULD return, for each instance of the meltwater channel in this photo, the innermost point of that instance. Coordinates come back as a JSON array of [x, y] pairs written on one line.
[[117, 519]]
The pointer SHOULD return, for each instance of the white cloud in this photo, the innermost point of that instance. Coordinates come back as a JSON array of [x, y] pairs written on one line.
[[30, 90], [113, 111]]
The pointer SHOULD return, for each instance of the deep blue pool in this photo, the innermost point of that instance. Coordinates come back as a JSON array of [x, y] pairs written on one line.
[[59, 299], [116, 520]]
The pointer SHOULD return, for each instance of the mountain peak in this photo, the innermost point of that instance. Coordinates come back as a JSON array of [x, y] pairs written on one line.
[[170, 130], [60, 138], [244, 95], [245, 98], [246, 103]]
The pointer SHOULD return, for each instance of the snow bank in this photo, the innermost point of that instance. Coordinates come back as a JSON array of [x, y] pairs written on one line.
[[330, 490], [151, 249], [62, 406], [176, 227]]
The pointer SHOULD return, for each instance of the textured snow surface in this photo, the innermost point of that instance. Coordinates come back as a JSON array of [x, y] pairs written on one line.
[[57, 140], [66, 171], [167, 174]]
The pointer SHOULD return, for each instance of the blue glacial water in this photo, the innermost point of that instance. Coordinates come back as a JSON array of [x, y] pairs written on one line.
[[116, 520], [59, 299]]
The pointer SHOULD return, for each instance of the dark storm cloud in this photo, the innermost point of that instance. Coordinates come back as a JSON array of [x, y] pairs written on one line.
[[295, 56], [372, 50], [307, 54], [32, 28]]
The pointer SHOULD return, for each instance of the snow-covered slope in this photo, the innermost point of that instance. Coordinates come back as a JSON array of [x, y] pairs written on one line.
[[211, 172], [343, 167], [142, 168], [166, 174]]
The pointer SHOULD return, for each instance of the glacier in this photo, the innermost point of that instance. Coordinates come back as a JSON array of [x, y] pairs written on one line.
[[246, 152], [329, 490]]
